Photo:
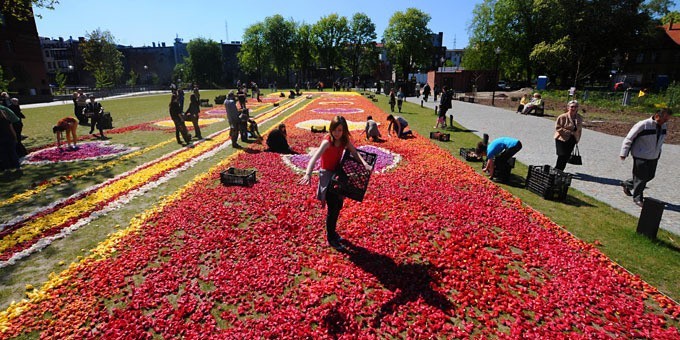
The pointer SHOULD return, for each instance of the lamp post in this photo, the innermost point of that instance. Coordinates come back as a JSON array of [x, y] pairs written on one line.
[[146, 76], [493, 94]]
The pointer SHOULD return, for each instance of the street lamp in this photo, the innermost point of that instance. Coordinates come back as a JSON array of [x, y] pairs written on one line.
[[493, 94]]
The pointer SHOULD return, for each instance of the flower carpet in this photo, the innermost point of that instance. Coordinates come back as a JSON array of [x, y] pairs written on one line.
[[434, 250], [32, 232], [84, 151]]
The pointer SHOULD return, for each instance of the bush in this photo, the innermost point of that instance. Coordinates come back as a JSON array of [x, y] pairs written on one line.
[[673, 97], [219, 100]]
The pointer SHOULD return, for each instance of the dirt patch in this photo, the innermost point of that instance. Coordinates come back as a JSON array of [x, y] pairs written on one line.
[[611, 122]]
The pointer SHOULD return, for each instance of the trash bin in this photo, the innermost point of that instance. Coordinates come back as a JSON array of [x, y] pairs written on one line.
[[650, 217], [626, 97]]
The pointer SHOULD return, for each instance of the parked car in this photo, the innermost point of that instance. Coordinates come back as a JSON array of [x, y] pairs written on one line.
[[503, 85]]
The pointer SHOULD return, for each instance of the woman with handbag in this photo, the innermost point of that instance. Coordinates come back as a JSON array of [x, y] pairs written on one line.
[[330, 152], [568, 127]]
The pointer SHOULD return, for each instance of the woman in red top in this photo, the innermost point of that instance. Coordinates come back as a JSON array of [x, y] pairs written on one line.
[[331, 149], [70, 125]]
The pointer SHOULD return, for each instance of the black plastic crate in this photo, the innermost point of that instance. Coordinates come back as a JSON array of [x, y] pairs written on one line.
[[318, 128], [351, 180], [235, 176], [468, 154], [440, 136], [548, 182]]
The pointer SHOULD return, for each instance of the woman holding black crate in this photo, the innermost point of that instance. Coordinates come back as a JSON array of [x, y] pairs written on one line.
[[330, 151], [568, 127]]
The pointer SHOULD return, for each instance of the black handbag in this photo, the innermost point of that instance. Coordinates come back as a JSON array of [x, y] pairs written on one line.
[[575, 157]]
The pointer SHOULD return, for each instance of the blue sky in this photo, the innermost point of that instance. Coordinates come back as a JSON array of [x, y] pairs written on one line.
[[141, 22]]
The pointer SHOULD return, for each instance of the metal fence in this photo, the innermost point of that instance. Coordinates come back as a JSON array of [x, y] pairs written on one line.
[[67, 93]]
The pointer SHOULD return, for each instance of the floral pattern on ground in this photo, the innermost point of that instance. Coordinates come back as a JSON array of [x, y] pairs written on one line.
[[83, 151], [336, 103], [386, 160], [337, 110], [307, 125]]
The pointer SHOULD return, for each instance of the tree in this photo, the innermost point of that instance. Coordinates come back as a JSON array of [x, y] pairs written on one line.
[[360, 41], [133, 78], [408, 40], [181, 72], [4, 83], [102, 58], [205, 60], [554, 37], [330, 34], [60, 79], [251, 58], [671, 16], [303, 48], [278, 35], [22, 9]]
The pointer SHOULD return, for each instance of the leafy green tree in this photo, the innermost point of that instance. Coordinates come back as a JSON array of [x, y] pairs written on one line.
[[303, 49], [330, 35], [132, 79], [671, 16], [102, 58], [554, 37], [278, 35], [252, 57], [4, 82], [408, 40], [361, 40], [181, 72], [205, 57], [657, 8], [23, 9], [60, 79]]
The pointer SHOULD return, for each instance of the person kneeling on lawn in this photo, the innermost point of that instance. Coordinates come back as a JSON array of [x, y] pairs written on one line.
[[500, 150]]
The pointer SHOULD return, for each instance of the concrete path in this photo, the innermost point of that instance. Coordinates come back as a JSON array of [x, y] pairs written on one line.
[[602, 171]]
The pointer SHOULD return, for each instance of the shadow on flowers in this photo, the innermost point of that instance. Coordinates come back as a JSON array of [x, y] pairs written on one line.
[[410, 281]]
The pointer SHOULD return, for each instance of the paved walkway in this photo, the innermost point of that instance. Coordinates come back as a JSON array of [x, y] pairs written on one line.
[[602, 171]]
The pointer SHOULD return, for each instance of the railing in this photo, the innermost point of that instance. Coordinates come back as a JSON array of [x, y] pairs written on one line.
[[67, 93]]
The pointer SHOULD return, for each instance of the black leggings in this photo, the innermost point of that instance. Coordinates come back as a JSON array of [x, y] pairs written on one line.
[[334, 203], [564, 150]]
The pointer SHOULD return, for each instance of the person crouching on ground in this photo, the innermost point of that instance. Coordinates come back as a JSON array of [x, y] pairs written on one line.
[[69, 125], [372, 131], [277, 140], [330, 151], [398, 125], [500, 150]]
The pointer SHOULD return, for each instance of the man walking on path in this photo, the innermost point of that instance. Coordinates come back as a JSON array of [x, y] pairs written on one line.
[[644, 141]]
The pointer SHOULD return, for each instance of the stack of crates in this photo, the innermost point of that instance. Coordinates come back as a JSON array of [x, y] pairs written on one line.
[[548, 182], [351, 180]]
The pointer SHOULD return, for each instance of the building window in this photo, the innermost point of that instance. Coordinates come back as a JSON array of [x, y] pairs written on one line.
[[640, 58], [9, 46]]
